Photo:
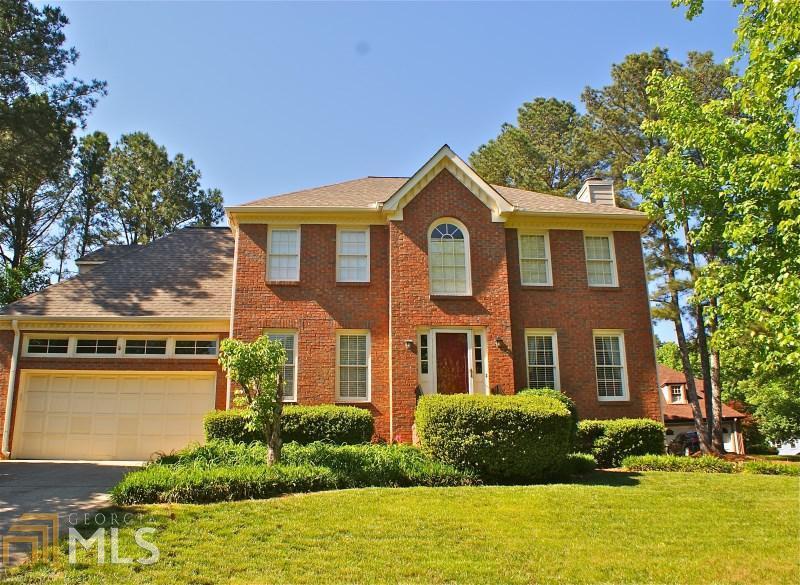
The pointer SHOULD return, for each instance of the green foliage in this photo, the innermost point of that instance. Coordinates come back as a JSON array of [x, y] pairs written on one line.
[[256, 368], [378, 465], [610, 441], [229, 425], [550, 149], [580, 464], [771, 468], [702, 464], [561, 397], [194, 484], [730, 171], [669, 354], [89, 214], [340, 425], [149, 195], [28, 278], [500, 438]]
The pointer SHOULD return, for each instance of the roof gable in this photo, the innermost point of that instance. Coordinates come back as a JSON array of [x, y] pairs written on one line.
[[445, 158]]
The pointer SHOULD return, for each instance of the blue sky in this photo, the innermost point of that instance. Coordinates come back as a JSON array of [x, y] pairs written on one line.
[[271, 97]]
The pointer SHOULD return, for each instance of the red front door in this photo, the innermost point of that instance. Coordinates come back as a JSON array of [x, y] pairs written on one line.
[[451, 363]]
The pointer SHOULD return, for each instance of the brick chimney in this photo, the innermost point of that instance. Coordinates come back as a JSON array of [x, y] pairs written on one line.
[[597, 190]]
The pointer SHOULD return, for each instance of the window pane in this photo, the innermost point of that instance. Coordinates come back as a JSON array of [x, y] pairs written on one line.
[[423, 353], [598, 248], [541, 361], [283, 254], [448, 260], [610, 375], [532, 246], [96, 346], [534, 271], [44, 345], [353, 366], [146, 346], [600, 272], [287, 341], [195, 347]]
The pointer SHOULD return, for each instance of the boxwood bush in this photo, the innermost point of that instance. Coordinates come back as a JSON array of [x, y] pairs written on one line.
[[702, 464], [196, 484], [560, 396], [500, 438], [341, 425], [610, 441]]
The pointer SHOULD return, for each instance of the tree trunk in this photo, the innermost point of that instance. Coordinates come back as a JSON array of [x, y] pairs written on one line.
[[702, 345], [717, 438], [274, 442], [691, 390]]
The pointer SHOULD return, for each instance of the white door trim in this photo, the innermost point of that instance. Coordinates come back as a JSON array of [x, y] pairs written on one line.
[[432, 365]]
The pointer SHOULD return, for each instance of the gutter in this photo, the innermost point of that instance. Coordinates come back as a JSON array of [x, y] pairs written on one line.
[[116, 318], [12, 378]]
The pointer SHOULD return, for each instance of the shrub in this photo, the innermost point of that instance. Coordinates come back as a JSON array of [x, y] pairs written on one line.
[[702, 464], [229, 424], [561, 397], [378, 465], [500, 438], [217, 453], [580, 464], [771, 468], [194, 484], [340, 425], [610, 441]]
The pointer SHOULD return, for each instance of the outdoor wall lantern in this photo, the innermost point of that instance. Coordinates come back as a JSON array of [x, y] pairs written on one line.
[[409, 344]]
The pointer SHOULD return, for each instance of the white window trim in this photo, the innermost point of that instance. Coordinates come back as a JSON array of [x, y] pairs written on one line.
[[293, 333], [614, 276], [672, 398], [554, 335], [346, 228], [624, 364], [546, 235], [120, 353], [366, 332], [269, 250], [467, 257]]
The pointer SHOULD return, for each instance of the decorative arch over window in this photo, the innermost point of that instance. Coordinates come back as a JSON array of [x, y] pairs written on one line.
[[448, 258]]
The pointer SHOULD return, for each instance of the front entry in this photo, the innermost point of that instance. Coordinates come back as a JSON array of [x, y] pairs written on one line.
[[452, 368]]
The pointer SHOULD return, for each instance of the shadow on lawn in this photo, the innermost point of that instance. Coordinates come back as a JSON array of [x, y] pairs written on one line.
[[611, 478]]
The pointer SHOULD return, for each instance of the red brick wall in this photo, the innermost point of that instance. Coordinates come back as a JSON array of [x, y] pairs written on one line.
[[574, 309], [316, 307], [107, 364], [412, 305]]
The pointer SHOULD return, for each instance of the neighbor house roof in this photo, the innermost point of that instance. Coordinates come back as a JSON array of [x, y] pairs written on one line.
[[186, 274], [368, 192], [683, 412], [107, 252]]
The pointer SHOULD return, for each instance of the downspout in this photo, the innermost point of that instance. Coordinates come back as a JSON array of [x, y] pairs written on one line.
[[391, 338], [229, 387], [12, 379]]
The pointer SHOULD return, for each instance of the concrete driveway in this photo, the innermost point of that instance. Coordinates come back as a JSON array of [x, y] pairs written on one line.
[[69, 489]]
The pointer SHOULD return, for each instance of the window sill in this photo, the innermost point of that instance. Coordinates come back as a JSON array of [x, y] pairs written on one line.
[[339, 283], [342, 401], [450, 297], [604, 287], [621, 402], [537, 287], [283, 283]]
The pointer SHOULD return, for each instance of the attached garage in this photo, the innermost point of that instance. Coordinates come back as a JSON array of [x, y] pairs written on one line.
[[105, 415]]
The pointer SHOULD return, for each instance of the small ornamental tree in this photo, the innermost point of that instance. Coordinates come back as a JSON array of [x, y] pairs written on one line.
[[257, 368]]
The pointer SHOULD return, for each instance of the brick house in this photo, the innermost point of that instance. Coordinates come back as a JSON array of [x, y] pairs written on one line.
[[381, 289]]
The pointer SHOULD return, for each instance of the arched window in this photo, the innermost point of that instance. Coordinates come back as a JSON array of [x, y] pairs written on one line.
[[448, 258]]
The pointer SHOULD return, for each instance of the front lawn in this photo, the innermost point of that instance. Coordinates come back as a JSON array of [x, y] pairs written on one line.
[[610, 527]]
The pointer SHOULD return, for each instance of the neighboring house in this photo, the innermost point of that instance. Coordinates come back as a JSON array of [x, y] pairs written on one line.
[[380, 289], [678, 413]]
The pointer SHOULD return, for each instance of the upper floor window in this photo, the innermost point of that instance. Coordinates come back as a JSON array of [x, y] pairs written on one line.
[[352, 255], [534, 259], [448, 259], [609, 355], [600, 262], [676, 394], [284, 254]]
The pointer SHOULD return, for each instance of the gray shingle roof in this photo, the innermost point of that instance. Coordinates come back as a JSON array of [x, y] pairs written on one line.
[[108, 252], [186, 274], [365, 192]]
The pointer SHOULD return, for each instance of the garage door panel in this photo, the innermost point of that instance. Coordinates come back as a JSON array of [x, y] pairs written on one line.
[[86, 415]]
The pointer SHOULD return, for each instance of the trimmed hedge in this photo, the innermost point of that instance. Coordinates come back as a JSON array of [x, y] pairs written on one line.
[[580, 464], [340, 425], [610, 441], [500, 438], [194, 484], [561, 397], [702, 464], [771, 468]]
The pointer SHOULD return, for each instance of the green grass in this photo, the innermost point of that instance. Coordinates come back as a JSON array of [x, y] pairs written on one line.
[[612, 527]]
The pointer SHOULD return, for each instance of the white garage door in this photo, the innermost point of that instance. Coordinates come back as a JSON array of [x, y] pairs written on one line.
[[109, 415]]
